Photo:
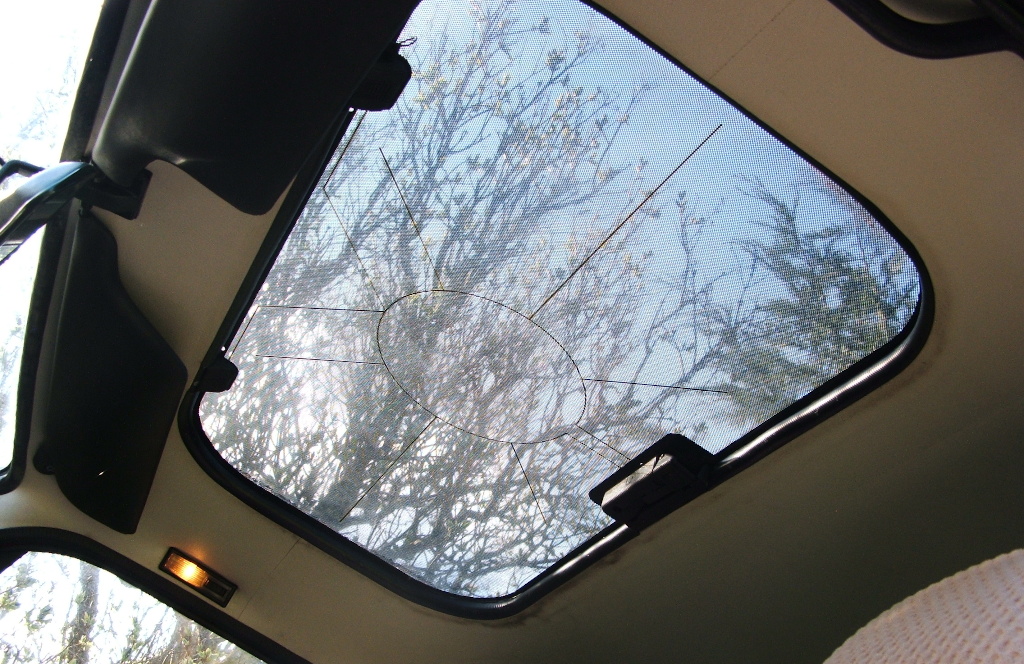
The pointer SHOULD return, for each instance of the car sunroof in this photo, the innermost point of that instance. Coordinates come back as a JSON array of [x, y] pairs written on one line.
[[557, 248]]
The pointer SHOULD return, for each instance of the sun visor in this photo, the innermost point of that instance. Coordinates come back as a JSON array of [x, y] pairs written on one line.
[[109, 385], [237, 93]]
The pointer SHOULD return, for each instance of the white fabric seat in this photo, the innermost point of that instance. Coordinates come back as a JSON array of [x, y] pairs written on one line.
[[974, 616]]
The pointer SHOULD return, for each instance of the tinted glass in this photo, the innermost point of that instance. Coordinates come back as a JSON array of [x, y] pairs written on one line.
[[58, 609], [556, 248]]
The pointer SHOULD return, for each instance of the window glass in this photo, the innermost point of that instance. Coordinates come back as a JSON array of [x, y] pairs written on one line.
[[51, 39], [556, 248], [59, 609], [17, 274], [48, 41]]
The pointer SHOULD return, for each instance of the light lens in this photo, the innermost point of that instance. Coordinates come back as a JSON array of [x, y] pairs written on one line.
[[198, 577], [186, 570]]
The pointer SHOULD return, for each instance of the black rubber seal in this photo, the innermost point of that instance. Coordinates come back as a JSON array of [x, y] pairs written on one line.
[[928, 40], [866, 375], [15, 542]]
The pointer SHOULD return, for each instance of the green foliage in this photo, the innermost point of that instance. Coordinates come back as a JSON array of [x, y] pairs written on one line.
[[839, 292]]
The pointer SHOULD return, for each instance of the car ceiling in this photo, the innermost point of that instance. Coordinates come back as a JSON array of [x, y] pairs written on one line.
[[914, 482]]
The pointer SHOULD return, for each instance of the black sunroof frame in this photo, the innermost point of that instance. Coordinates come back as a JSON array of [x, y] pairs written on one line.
[[821, 403]]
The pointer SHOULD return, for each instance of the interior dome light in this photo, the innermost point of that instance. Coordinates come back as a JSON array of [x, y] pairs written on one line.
[[197, 576]]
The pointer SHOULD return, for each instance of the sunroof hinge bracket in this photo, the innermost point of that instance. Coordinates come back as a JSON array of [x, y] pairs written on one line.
[[125, 202]]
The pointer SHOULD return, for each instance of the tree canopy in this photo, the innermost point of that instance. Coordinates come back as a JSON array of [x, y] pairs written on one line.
[[404, 373]]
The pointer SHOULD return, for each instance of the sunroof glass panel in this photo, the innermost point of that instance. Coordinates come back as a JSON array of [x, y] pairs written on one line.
[[555, 249]]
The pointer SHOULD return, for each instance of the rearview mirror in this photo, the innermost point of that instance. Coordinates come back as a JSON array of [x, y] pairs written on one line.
[[37, 199]]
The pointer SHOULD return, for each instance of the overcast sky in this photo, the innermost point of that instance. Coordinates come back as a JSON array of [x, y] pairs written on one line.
[[38, 38]]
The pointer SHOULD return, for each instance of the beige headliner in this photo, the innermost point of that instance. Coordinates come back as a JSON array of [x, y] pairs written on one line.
[[781, 563]]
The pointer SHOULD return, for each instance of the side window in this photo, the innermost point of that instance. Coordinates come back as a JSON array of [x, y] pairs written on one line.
[[59, 609], [17, 275], [38, 97]]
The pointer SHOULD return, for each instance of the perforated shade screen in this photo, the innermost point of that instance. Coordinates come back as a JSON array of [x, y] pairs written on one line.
[[556, 248]]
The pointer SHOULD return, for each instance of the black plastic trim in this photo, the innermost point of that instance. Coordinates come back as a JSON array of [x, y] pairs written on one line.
[[15, 542], [83, 116], [866, 375], [237, 93], [109, 385], [105, 39], [43, 199], [679, 473], [928, 40], [1009, 14]]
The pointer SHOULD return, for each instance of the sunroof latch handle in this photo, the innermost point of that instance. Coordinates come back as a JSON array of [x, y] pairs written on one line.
[[384, 83], [666, 475], [218, 376]]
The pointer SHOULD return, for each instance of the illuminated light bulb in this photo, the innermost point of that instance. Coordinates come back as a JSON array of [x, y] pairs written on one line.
[[198, 577], [187, 571]]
